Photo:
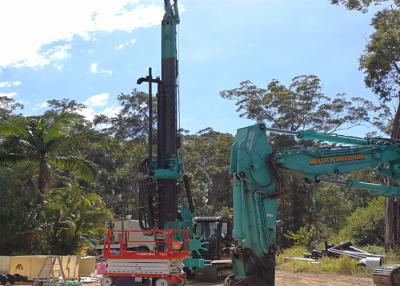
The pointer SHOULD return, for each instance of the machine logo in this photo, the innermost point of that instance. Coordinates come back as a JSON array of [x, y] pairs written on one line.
[[336, 159], [19, 267]]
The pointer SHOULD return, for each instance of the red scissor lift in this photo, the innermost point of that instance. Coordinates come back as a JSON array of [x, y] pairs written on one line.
[[145, 257]]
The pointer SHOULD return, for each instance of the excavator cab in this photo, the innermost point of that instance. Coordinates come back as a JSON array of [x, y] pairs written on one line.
[[216, 231]]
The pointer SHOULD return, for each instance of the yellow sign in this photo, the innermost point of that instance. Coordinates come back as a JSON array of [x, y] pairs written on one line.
[[337, 159]]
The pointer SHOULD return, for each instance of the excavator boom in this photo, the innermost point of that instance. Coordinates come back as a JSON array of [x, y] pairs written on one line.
[[255, 170]]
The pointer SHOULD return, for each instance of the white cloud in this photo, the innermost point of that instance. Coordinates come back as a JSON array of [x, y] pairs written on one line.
[[96, 105], [88, 113], [111, 111], [8, 94], [39, 106], [97, 100], [10, 83], [123, 45], [94, 68], [43, 104], [58, 53], [27, 26], [58, 66]]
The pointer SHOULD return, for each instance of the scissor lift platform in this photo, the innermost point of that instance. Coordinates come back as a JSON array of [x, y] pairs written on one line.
[[138, 261]]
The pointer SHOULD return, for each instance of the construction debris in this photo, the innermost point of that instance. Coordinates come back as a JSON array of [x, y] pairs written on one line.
[[311, 260], [365, 258]]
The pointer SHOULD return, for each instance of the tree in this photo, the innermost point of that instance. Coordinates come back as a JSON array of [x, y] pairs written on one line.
[[381, 65], [301, 105], [117, 163], [131, 122], [206, 162], [46, 141], [65, 105], [7, 106], [381, 61], [365, 225], [70, 219], [19, 199], [362, 5]]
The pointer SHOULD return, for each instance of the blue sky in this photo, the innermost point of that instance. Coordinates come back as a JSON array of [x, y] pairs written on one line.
[[91, 51]]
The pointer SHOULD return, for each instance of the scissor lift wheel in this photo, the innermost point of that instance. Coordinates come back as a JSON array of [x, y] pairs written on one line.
[[161, 282], [106, 281]]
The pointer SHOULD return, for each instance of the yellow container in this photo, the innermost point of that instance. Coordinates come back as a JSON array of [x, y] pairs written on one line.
[[30, 266], [71, 266], [87, 265], [5, 264], [26, 265]]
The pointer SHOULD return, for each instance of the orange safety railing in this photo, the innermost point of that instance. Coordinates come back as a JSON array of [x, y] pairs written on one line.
[[130, 244]]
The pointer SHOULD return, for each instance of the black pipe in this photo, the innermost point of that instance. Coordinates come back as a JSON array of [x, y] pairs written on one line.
[[150, 122]]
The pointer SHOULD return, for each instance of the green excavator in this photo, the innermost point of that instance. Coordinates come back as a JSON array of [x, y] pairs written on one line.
[[257, 182]]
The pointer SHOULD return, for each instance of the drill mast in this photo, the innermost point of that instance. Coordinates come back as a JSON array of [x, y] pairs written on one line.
[[158, 206]]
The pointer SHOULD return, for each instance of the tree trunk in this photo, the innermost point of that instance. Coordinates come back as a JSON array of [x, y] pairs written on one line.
[[392, 205], [44, 175], [298, 204]]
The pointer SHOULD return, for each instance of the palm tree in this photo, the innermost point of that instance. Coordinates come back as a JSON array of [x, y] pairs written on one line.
[[49, 141]]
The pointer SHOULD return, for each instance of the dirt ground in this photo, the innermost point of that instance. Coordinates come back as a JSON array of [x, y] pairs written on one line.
[[284, 278]]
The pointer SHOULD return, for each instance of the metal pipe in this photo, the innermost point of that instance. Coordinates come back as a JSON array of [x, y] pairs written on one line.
[[150, 146]]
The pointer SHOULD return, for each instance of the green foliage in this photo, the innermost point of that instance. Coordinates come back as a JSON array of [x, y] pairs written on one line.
[[70, 219], [117, 164], [331, 207], [362, 5], [375, 249], [47, 140], [131, 122], [303, 237], [19, 199], [381, 60], [301, 105], [206, 162], [7, 106], [365, 226], [342, 265], [65, 105], [381, 65], [35, 219]]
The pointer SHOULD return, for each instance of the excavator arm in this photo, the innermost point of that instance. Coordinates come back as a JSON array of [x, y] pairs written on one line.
[[256, 178]]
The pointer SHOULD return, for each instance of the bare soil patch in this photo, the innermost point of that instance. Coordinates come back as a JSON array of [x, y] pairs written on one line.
[[284, 278]]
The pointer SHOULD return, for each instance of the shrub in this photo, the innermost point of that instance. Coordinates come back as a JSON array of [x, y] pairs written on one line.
[[343, 265], [303, 237], [365, 226]]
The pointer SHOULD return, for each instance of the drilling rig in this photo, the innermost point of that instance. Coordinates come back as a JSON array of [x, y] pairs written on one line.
[[158, 204], [154, 255], [163, 176]]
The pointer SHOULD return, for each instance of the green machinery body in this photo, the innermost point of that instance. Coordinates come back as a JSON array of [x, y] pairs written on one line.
[[256, 184]]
